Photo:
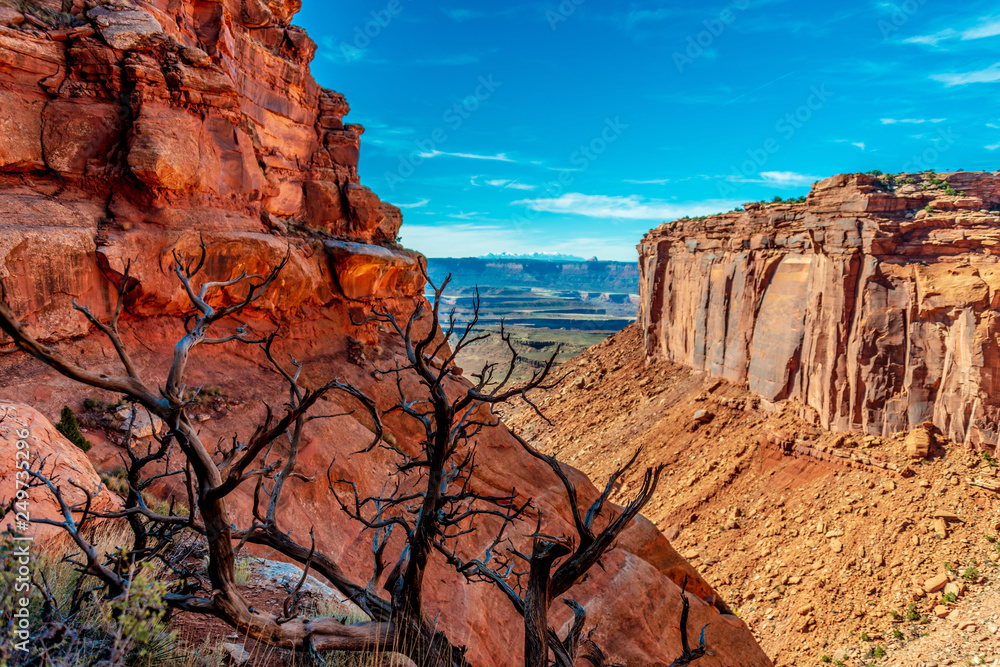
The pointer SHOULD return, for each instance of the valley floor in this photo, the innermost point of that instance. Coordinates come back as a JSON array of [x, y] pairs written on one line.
[[813, 537]]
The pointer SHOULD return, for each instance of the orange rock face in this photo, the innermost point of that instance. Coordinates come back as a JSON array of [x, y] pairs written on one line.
[[63, 462], [873, 305], [130, 135]]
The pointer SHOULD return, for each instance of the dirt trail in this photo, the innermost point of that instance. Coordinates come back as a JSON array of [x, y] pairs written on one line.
[[821, 555]]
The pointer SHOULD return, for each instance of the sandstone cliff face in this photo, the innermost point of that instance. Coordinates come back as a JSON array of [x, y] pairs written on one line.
[[873, 304], [131, 132]]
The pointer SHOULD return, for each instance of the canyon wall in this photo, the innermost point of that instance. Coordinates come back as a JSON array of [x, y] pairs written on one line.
[[133, 134], [872, 305]]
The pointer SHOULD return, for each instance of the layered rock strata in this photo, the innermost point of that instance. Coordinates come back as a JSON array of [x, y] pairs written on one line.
[[133, 134], [873, 304]]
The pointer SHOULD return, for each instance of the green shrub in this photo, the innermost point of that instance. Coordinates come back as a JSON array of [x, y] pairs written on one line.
[[826, 658], [865, 637], [911, 612], [879, 652], [970, 574], [897, 633], [949, 598], [70, 427]]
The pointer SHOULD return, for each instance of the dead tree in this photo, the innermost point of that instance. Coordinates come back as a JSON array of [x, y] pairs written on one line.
[[211, 476], [444, 503], [426, 507]]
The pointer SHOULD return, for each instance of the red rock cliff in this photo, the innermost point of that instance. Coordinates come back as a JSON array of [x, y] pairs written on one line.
[[133, 131], [873, 304]]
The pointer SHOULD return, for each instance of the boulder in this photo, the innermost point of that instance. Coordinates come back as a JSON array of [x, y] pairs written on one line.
[[127, 29], [918, 443], [52, 455]]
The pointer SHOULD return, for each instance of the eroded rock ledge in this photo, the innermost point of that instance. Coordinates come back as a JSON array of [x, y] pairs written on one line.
[[873, 304]]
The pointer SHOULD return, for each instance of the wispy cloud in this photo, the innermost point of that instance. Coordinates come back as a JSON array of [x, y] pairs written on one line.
[[463, 215], [992, 147], [509, 184], [499, 157], [462, 14], [416, 204], [630, 207], [788, 178], [448, 61], [984, 28], [933, 39], [778, 179], [343, 53], [989, 75], [637, 16], [654, 181], [912, 121]]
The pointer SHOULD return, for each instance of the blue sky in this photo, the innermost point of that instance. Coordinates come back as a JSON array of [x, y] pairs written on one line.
[[576, 126]]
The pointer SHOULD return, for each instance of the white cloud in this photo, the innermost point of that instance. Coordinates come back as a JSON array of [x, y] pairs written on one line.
[[509, 184], [989, 75], [499, 157], [462, 215], [993, 126], [912, 121], [987, 27], [992, 147], [932, 40], [637, 16], [416, 204], [461, 14], [630, 207], [655, 181], [343, 53], [444, 61], [788, 178], [990, 28]]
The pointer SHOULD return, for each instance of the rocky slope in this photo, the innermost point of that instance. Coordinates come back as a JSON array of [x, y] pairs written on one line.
[[872, 305], [820, 541], [131, 132]]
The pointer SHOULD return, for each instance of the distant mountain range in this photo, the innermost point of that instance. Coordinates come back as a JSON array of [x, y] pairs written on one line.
[[509, 271], [544, 256]]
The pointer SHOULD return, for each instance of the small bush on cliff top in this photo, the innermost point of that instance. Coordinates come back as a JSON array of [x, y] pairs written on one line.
[[70, 427]]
